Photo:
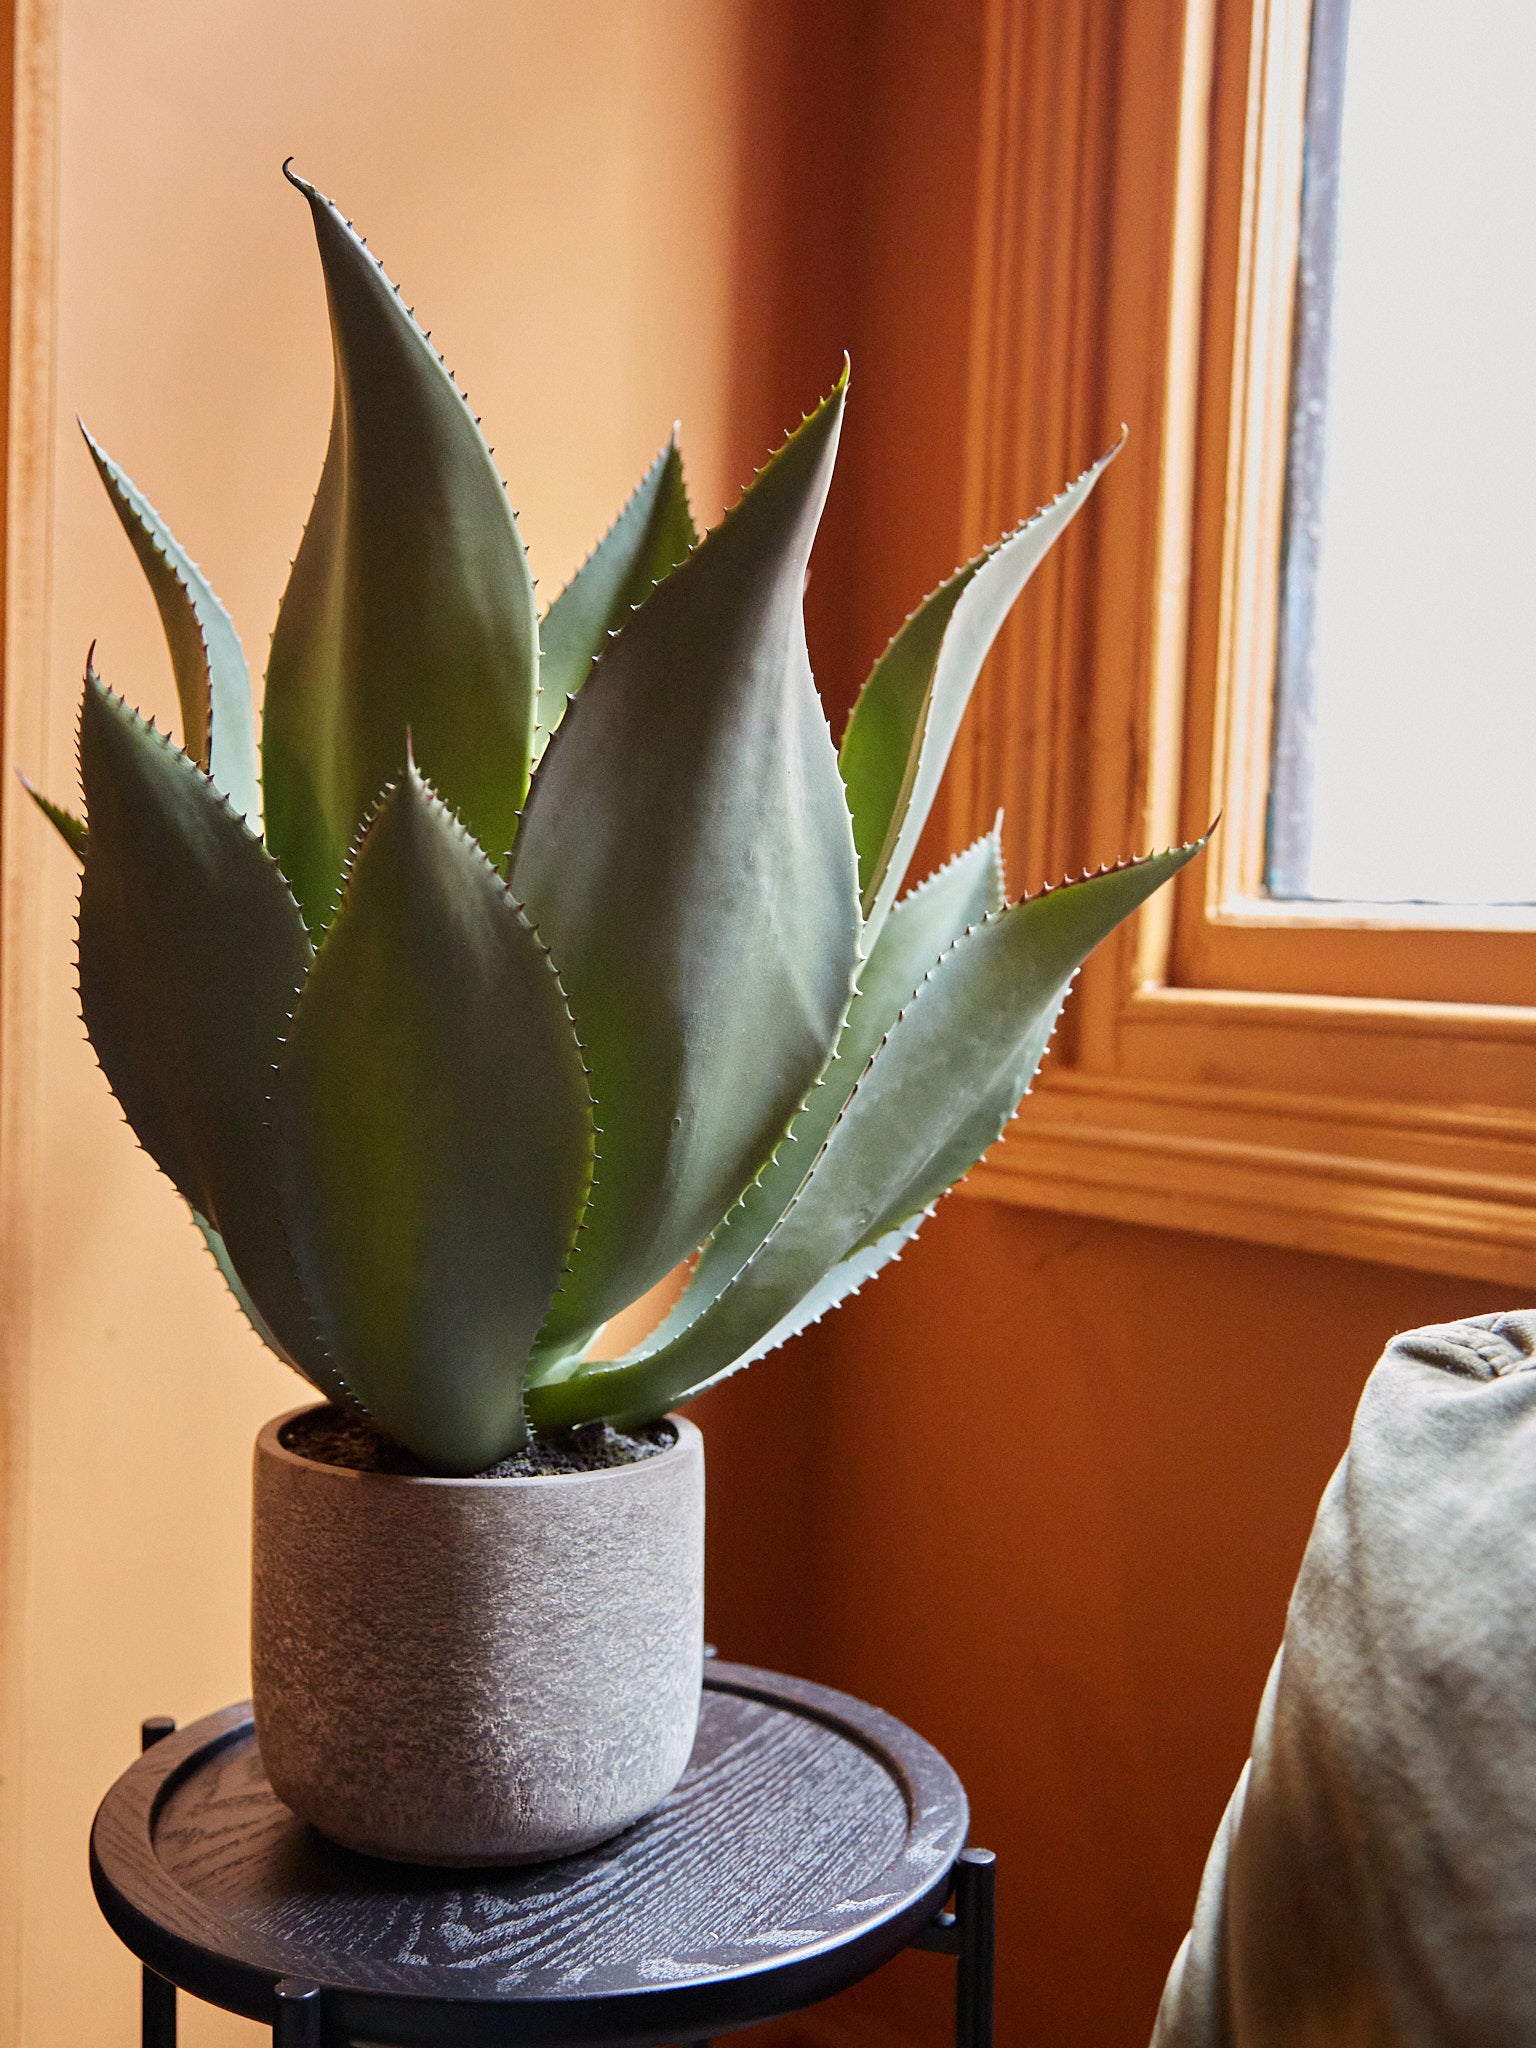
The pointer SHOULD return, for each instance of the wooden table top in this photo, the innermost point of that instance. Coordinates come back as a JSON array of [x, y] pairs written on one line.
[[810, 1838]]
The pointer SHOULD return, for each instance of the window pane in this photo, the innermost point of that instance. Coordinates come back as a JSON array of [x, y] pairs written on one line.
[[1406, 728]]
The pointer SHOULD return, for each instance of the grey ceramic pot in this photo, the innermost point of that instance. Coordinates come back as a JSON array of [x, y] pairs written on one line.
[[476, 1671]]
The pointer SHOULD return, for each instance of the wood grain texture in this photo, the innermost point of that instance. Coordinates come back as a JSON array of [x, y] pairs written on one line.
[[809, 1838]]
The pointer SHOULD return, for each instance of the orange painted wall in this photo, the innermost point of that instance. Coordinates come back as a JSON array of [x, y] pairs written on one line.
[[1042, 1489], [1057, 1479]]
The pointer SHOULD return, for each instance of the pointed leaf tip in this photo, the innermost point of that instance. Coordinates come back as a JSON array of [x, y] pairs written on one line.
[[410, 602], [436, 1135], [213, 683], [939, 1090], [919, 931], [709, 966], [652, 534], [904, 724], [190, 951], [71, 830]]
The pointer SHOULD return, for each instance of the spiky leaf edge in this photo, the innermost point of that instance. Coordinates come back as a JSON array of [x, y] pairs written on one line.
[[214, 691], [317, 1369], [660, 496], [599, 1388], [569, 1335], [276, 753], [888, 838], [348, 1390], [74, 831], [724, 1255]]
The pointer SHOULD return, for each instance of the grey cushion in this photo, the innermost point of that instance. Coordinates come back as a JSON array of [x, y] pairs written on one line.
[[1374, 1877]]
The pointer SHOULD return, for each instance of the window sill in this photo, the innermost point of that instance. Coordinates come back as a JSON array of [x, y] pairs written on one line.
[[1398, 1183]]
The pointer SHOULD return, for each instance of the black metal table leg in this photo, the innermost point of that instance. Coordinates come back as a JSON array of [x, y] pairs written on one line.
[[157, 2006], [976, 1917], [158, 2012], [295, 2014]]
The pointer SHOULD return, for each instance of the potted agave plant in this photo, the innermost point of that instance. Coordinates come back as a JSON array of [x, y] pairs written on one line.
[[537, 957]]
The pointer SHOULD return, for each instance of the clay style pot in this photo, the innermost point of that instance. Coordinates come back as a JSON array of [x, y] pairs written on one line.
[[476, 1671]]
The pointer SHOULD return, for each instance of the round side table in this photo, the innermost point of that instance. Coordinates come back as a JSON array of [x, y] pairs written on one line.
[[811, 1838]]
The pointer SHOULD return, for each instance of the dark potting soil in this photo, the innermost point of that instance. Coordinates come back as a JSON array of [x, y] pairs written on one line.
[[331, 1436]]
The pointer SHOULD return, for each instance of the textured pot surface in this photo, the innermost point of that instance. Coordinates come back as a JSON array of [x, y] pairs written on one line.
[[476, 1671]]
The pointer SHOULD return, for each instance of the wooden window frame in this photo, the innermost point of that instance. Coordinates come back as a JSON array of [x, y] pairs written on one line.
[[1325, 1077]]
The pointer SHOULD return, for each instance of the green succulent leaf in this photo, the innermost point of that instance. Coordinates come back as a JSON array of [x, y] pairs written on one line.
[[687, 854], [937, 1093], [410, 607], [71, 830], [191, 951], [903, 727], [213, 684], [650, 537], [236, 1286], [436, 1133], [918, 931], [844, 1280]]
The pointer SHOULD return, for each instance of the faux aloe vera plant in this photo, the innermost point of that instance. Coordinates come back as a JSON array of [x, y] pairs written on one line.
[[541, 954]]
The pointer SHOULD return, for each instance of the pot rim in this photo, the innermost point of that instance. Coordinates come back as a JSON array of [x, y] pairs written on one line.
[[269, 1444]]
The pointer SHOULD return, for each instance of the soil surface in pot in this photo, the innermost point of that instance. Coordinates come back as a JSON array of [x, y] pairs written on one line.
[[330, 1436]]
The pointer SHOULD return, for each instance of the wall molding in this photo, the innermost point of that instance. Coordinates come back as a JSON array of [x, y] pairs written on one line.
[[1391, 1183]]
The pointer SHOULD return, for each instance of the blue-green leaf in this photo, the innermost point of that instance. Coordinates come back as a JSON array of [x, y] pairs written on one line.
[[686, 852], [935, 1096], [410, 608], [653, 533], [898, 740], [919, 930], [436, 1135], [844, 1280], [71, 830], [191, 953], [213, 684], [236, 1286]]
